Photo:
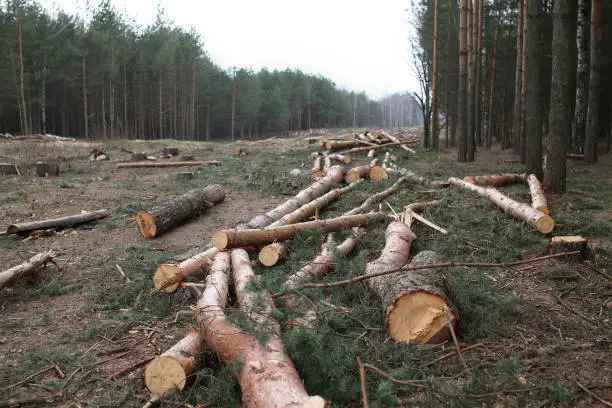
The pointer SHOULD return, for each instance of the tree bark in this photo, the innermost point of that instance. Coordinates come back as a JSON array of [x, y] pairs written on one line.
[[414, 302], [267, 376], [167, 164], [533, 136], [62, 222], [170, 371], [25, 126], [517, 111], [538, 199], [12, 275], [171, 213], [434, 101], [489, 136], [523, 129], [593, 125], [582, 86], [537, 219], [560, 100], [463, 85], [497, 180], [471, 113], [236, 238]]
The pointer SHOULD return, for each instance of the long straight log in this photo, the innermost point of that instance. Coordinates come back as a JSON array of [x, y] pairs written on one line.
[[235, 238], [496, 180], [414, 303], [63, 222], [168, 164], [12, 275], [538, 199], [543, 222], [169, 371], [168, 276], [267, 376], [171, 213]]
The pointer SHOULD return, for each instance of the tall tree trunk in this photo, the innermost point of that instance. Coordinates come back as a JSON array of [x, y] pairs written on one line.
[[435, 138], [477, 83], [43, 97], [470, 90], [524, 84], [533, 135], [463, 82], [492, 90], [104, 135], [25, 129], [193, 100], [518, 77], [447, 113], [160, 119], [582, 86], [126, 127], [561, 98], [593, 127], [233, 106]]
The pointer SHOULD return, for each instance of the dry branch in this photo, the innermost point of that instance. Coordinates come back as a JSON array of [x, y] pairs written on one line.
[[543, 222], [170, 213], [62, 222], [10, 276], [235, 238], [167, 164], [267, 377], [538, 199]]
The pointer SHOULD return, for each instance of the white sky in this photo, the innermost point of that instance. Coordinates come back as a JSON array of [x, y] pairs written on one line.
[[359, 44]]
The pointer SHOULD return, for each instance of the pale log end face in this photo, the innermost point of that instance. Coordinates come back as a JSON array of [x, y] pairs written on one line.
[[378, 173], [268, 256], [318, 174], [163, 275], [146, 224], [220, 240], [545, 224], [164, 374], [347, 159], [351, 177], [419, 317]]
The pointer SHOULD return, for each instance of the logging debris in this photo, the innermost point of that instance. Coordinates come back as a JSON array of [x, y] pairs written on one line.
[[35, 263], [63, 222]]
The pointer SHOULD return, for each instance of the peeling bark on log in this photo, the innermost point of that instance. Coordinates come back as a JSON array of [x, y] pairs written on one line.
[[167, 164], [168, 277], [268, 377], [47, 170], [235, 238], [570, 243], [12, 275], [9, 169], [169, 214], [538, 199], [169, 371], [62, 222], [414, 304], [543, 222], [496, 180]]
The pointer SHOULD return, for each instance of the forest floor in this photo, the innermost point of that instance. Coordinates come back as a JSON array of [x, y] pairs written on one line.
[[542, 328]]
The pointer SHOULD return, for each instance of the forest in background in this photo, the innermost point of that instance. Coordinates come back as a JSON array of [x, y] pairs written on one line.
[[110, 78]]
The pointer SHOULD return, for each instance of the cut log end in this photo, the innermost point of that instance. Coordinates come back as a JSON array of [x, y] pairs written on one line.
[[165, 274], [347, 159], [352, 176], [164, 374], [419, 317], [220, 240], [570, 243], [272, 254], [545, 224], [315, 402], [378, 174], [146, 224]]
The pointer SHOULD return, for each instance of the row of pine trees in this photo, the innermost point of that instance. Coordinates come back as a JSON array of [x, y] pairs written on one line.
[[109, 78], [532, 75]]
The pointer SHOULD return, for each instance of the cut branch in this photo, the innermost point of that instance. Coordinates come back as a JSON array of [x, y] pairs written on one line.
[[63, 222], [12, 275]]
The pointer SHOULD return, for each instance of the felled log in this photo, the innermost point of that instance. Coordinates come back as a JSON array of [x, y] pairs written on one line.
[[343, 158], [139, 156], [12, 275], [9, 169], [538, 199], [169, 276], [169, 371], [394, 139], [378, 174], [47, 170], [171, 151], [570, 243], [266, 376], [167, 164], [543, 222], [496, 180], [357, 173], [235, 238], [414, 303], [271, 254], [63, 222], [317, 167], [339, 144], [237, 151], [368, 148], [169, 214]]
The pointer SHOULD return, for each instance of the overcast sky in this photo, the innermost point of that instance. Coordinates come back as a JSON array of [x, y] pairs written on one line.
[[359, 44]]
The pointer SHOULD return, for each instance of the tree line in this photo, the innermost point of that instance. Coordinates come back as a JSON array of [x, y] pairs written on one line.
[[531, 75], [109, 78]]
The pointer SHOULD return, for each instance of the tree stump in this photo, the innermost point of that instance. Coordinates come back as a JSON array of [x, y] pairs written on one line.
[[139, 156], [9, 169], [570, 243], [47, 170], [171, 151]]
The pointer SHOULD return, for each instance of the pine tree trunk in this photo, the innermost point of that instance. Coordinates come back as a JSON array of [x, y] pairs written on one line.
[[523, 130], [560, 99], [463, 84], [489, 139], [582, 86], [470, 90], [160, 101], [533, 141], [435, 138], [233, 137], [518, 77], [593, 126], [25, 129], [478, 82], [126, 125]]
